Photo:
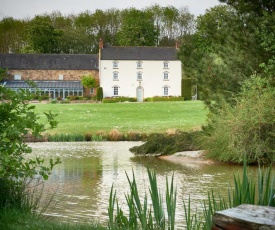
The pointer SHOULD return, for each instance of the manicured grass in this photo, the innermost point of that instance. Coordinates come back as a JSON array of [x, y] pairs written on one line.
[[146, 117]]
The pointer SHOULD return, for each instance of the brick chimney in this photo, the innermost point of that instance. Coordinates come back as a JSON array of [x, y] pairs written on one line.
[[100, 43]]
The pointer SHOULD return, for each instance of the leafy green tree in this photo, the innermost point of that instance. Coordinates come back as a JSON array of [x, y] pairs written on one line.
[[42, 36], [137, 29], [12, 37], [266, 36], [18, 120], [169, 16], [88, 81], [258, 7], [222, 54]]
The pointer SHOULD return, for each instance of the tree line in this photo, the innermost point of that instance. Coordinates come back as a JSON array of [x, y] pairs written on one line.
[[231, 42], [57, 33]]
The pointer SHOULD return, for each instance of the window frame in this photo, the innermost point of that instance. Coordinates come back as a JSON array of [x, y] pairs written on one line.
[[165, 65], [115, 90], [17, 77], [139, 65], [139, 76], [165, 90], [115, 64], [166, 76], [115, 76]]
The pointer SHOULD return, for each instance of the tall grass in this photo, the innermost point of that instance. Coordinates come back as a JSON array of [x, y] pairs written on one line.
[[14, 219], [246, 189], [24, 195], [144, 216]]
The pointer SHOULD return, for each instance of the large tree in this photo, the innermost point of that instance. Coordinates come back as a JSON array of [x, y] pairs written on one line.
[[42, 36], [12, 37], [222, 53], [258, 7], [137, 29]]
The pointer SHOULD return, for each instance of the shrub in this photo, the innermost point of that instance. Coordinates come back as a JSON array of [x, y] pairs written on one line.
[[186, 88], [119, 99], [114, 135], [99, 93], [246, 128], [18, 119], [53, 102], [168, 98], [88, 81], [88, 137], [163, 144]]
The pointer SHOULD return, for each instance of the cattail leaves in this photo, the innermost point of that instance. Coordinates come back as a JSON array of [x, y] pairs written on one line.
[[144, 215]]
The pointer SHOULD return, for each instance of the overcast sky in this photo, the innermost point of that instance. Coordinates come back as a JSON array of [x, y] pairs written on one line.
[[22, 9]]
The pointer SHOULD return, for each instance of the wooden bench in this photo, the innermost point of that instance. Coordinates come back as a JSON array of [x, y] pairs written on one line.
[[245, 217]]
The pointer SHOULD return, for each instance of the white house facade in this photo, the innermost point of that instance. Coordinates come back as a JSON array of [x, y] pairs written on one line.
[[140, 72]]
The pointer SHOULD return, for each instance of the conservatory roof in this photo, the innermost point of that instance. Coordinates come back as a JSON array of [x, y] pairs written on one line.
[[44, 84]]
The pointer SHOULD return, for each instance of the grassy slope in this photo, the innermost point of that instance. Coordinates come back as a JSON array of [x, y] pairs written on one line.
[[138, 117]]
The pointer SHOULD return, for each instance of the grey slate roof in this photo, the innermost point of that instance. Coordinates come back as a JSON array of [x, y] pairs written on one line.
[[45, 84], [49, 61], [139, 53]]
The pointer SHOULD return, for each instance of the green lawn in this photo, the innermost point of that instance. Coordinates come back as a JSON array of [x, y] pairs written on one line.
[[139, 117]]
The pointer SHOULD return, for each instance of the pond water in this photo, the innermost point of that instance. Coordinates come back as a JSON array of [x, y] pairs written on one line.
[[81, 184]]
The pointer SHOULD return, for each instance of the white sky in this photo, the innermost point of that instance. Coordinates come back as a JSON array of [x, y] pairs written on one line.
[[22, 9]]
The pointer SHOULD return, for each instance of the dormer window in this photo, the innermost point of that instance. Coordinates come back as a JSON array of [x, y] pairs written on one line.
[[17, 77], [166, 65], [139, 64], [139, 76], [115, 64], [115, 76]]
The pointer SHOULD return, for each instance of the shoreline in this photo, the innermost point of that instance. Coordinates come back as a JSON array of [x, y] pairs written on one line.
[[188, 158]]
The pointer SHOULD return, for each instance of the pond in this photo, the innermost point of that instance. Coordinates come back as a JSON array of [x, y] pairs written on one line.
[[81, 184]]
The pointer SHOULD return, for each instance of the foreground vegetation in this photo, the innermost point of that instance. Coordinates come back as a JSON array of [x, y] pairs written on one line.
[[13, 219], [158, 210]]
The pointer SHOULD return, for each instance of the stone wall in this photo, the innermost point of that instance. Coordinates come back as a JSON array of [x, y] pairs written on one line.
[[52, 75], [55, 75]]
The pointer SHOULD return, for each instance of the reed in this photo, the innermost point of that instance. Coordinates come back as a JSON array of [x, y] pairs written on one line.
[[66, 137], [144, 216], [191, 219], [245, 189]]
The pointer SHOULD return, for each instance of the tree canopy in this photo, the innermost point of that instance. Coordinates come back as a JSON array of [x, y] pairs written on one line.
[[57, 33]]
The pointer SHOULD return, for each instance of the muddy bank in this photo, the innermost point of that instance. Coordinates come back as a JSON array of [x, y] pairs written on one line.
[[188, 158]]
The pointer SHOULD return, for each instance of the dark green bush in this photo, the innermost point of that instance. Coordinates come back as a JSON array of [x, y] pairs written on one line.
[[119, 99], [186, 86], [246, 128], [169, 98], [164, 144], [99, 94]]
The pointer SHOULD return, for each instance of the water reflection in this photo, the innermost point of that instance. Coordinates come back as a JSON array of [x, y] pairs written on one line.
[[83, 181]]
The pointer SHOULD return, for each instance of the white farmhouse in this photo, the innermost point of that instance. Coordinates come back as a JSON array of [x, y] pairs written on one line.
[[139, 72]]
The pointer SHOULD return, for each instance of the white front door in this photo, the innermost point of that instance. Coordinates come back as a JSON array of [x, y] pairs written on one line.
[[140, 94]]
